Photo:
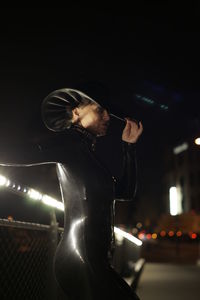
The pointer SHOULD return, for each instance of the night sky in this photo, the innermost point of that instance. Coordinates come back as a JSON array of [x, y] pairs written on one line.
[[151, 50]]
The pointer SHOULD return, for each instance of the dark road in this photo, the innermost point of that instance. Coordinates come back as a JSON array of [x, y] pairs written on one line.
[[169, 282]]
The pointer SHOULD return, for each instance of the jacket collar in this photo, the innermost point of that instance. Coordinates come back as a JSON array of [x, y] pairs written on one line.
[[87, 136]]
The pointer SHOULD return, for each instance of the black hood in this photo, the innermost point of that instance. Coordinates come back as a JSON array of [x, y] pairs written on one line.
[[55, 104]]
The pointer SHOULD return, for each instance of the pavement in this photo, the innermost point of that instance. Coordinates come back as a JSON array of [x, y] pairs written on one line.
[[163, 281]]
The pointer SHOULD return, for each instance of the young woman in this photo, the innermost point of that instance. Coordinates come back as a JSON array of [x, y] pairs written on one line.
[[82, 260], [83, 257]]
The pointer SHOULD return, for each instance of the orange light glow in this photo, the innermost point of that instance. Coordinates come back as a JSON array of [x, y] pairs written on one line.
[[154, 236], [179, 233], [171, 233], [139, 225], [193, 236], [163, 233], [148, 236], [141, 235]]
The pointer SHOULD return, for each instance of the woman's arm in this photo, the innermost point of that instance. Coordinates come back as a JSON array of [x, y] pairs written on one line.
[[125, 188]]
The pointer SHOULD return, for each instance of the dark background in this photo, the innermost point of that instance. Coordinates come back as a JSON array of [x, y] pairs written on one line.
[[150, 49]]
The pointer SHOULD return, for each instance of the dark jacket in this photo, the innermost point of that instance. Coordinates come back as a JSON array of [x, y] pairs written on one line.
[[89, 192]]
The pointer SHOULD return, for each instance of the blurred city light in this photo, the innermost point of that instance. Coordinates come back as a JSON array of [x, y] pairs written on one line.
[[151, 102], [33, 194], [36, 195], [52, 202], [139, 225], [8, 183], [119, 238], [175, 201], [180, 148], [154, 236], [3, 180], [171, 233], [179, 233], [141, 235], [193, 235], [10, 218], [128, 236], [197, 141], [163, 233], [145, 99], [148, 236]]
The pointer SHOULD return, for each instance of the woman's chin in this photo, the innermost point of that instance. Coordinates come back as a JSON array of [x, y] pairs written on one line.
[[102, 132]]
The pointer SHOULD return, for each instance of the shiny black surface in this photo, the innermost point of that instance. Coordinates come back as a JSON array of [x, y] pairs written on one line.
[[82, 260]]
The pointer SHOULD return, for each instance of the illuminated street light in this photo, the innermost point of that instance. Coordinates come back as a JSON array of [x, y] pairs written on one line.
[[3, 180], [197, 141], [52, 202], [175, 201], [36, 195]]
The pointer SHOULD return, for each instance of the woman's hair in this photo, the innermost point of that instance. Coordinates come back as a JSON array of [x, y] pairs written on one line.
[[69, 108]]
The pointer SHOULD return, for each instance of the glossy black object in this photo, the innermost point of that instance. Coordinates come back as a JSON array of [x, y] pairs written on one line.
[[82, 260], [55, 104]]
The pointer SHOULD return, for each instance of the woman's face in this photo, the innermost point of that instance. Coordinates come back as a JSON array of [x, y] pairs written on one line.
[[93, 117]]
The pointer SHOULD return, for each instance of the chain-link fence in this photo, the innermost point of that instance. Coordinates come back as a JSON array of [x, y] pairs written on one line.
[[26, 255], [26, 260]]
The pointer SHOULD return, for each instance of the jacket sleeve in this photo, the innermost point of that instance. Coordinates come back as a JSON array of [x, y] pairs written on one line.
[[126, 186]]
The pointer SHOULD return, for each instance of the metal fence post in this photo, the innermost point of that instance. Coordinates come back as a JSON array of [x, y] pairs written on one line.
[[53, 239]]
